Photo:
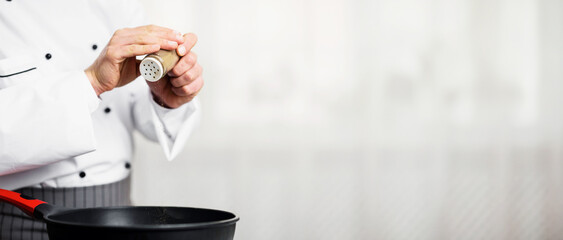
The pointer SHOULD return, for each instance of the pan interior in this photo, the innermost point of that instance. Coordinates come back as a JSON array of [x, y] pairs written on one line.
[[143, 217]]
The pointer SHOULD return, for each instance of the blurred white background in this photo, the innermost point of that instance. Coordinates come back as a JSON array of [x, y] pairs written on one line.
[[371, 119]]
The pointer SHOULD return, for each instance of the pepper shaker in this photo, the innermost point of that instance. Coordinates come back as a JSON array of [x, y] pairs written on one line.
[[155, 65]]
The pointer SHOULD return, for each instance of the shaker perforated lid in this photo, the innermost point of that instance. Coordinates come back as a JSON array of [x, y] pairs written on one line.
[[151, 69]]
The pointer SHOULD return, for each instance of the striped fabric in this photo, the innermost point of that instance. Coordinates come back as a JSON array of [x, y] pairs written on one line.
[[14, 224]]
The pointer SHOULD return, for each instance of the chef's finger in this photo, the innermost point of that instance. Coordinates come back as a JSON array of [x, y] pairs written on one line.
[[189, 90], [188, 77], [190, 39], [131, 35], [147, 40], [161, 32], [132, 50], [184, 64]]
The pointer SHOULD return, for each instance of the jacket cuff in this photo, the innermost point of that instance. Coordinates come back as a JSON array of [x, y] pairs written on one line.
[[90, 96], [174, 126]]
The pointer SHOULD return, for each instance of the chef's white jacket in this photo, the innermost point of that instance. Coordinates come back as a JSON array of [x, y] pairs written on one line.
[[54, 130]]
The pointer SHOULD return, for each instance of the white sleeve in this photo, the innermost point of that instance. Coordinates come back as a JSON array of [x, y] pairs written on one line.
[[46, 121], [170, 127]]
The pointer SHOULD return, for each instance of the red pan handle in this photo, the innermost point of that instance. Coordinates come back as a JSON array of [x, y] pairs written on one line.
[[26, 204]]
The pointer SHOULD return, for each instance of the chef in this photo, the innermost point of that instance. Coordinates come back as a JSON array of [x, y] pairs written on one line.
[[71, 96]]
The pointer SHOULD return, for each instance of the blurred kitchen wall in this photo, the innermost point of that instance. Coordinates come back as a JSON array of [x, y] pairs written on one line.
[[371, 119]]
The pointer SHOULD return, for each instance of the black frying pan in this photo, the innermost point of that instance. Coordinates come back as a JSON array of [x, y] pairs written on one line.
[[127, 222]]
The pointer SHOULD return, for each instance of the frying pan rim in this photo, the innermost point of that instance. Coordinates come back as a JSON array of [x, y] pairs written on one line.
[[140, 227]]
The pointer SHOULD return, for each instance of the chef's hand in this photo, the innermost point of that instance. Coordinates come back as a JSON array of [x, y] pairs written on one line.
[[184, 81], [116, 65]]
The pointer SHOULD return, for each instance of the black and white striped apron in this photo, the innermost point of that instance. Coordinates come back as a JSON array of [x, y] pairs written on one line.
[[14, 224]]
